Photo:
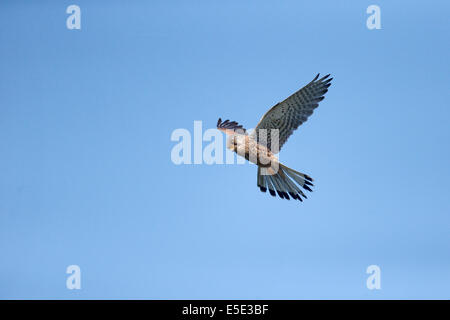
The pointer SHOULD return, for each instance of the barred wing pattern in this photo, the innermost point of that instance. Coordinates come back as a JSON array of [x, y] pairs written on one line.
[[289, 114]]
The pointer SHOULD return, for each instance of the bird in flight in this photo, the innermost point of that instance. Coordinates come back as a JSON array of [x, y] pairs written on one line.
[[271, 133]]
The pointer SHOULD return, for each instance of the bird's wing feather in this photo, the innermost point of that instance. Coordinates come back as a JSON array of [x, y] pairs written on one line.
[[230, 127], [288, 115]]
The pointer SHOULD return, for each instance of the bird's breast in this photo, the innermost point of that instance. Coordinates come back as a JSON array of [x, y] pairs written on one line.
[[254, 152]]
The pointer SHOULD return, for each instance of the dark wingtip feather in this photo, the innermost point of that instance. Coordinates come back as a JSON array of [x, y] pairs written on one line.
[[324, 77], [309, 183], [308, 178], [227, 124], [319, 99], [272, 193], [305, 186], [263, 189]]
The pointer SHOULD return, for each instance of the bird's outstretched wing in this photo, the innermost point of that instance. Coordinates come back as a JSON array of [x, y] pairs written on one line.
[[288, 115], [230, 127]]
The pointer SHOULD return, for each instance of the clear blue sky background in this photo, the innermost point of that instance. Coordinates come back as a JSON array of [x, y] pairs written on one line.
[[87, 179]]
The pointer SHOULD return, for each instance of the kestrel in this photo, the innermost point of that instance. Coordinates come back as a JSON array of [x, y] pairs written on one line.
[[271, 134]]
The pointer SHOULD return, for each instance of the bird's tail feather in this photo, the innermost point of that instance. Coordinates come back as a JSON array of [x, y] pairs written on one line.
[[285, 182]]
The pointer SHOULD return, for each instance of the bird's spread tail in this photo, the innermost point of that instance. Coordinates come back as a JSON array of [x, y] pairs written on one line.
[[286, 182]]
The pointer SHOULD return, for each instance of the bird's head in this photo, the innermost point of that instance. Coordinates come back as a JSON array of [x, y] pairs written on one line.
[[232, 141]]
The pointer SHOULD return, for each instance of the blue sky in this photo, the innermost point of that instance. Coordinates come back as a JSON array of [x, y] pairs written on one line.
[[87, 179]]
